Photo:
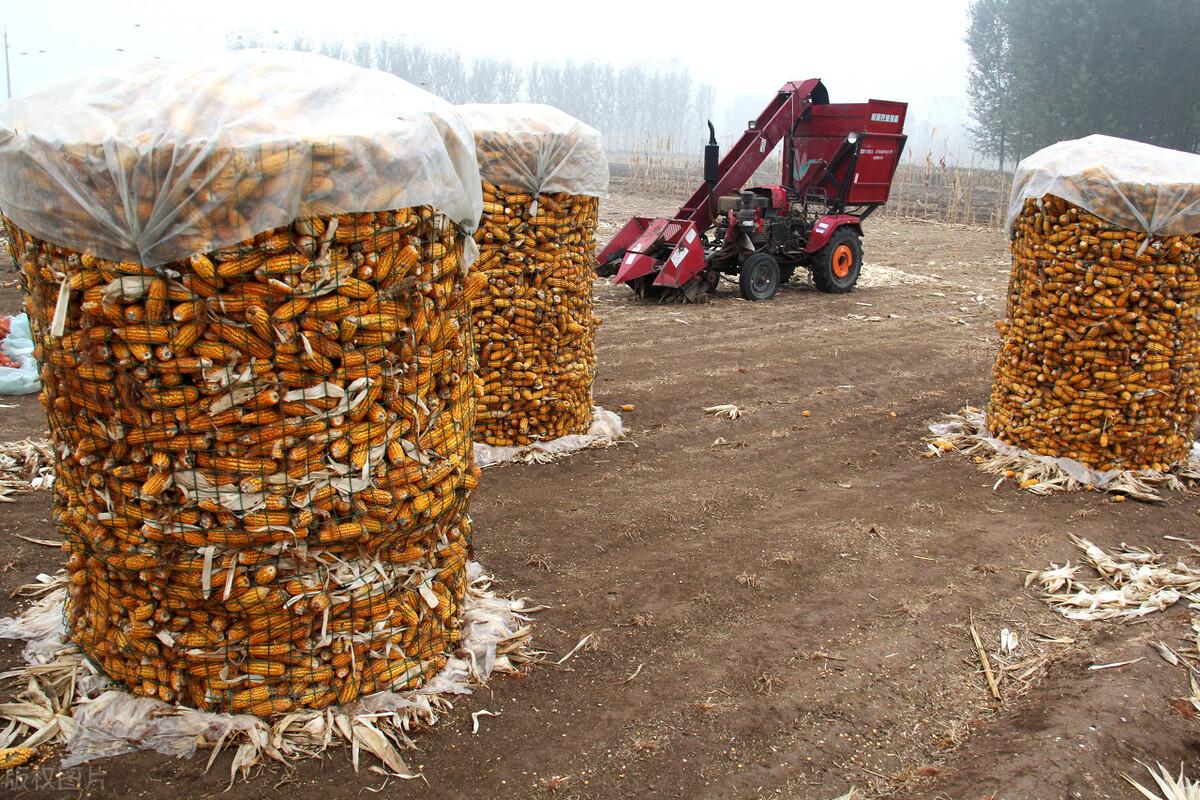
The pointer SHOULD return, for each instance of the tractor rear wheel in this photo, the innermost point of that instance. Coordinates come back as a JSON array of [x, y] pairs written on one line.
[[836, 266], [759, 277]]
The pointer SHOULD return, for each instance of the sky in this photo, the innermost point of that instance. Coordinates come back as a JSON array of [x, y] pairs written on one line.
[[911, 51]]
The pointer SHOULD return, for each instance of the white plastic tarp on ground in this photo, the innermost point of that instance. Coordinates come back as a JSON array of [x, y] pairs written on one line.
[[99, 720], [606, 429], [18, 346], [967, 432]]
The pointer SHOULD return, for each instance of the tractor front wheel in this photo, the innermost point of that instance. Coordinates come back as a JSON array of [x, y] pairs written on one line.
[[836, 266], [759, 278]]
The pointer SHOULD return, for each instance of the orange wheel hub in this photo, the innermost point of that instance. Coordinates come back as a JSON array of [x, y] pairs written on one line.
[[843, 260]]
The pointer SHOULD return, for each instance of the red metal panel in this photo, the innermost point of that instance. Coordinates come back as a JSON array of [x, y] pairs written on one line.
[[649, 237], [686, 259], [625, 237], [878, 157], [838, 119], [879, 126], [825, 227], [634, 265]]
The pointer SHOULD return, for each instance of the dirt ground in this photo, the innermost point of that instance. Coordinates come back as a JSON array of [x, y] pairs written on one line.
[[778, 605]]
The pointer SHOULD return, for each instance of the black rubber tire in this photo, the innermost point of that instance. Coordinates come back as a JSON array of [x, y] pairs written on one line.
[[824, 277], [759, 277]]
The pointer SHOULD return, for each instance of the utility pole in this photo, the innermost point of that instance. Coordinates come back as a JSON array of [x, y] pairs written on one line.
[[7, 73]]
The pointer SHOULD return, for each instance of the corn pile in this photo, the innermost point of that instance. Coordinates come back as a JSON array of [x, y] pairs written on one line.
[[1100, 352], [260, 386], [534, 324], [266, 458]]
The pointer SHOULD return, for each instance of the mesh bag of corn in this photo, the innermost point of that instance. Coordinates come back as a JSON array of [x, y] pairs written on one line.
[[248, 284], [543, 173], [1099, 360]]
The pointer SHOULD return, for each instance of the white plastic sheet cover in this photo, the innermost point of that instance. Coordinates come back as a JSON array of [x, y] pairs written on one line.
[[1133, 185], [18, 346], [605, 430], [155, 162], [538, 147]]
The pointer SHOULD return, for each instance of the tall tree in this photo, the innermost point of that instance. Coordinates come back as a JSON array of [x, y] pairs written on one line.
[[669, 104], [494, 80], [990, 79], [1047, 70]]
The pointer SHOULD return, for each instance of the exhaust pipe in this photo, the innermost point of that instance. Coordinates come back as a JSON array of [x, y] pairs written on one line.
[[712, 154]]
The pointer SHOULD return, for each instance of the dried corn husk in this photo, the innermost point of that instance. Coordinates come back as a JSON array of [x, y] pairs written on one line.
[[966, 433], [24, 465], [65, 701], [265, 458], [534, 324], [1172, 788], [1100, 351], [1132, 582]]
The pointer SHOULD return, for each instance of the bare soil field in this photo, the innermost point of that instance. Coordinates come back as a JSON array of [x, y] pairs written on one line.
[[777, 605]]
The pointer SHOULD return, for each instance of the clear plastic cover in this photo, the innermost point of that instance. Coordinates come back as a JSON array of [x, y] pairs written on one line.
[[605, 430], [1134, 185], [539, 148], [155, 162], [18, 346]]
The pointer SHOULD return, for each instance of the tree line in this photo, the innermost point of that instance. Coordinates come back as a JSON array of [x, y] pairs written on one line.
[[1046, 70], [634, 106]]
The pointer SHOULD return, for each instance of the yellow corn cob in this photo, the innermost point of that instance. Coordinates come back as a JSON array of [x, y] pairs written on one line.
[[188, 386], [203, 266], [1103, 393]]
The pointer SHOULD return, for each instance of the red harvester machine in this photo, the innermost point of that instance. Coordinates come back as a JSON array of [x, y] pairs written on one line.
[[838, 163]]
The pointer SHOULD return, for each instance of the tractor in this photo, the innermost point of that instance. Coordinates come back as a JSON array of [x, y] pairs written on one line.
[[838, 163]]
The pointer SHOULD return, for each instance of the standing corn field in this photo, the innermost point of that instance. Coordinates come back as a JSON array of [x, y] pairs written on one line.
[[250, 300], [543, 174], [1099, 359]]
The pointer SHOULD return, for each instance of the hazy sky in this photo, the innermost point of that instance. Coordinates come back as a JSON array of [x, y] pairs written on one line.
[[891, 50]]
